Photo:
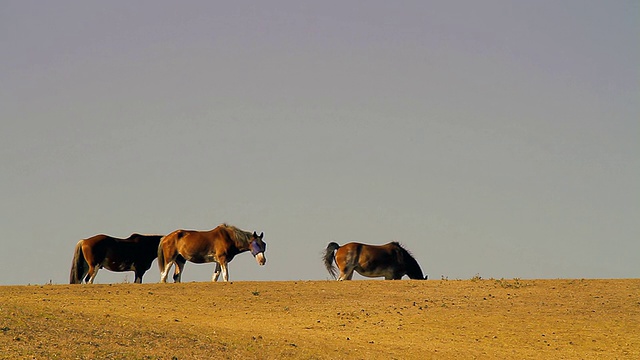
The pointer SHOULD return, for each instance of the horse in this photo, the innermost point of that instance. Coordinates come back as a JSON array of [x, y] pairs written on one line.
[[390, 260], [134, 253], [219, 245]]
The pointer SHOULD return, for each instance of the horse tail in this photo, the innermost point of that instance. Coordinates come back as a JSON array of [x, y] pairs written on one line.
[[161, 260], [329, 259], [77, 265]]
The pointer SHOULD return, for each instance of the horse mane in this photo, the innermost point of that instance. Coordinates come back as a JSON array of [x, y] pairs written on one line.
[[240, 237], [413, 268]]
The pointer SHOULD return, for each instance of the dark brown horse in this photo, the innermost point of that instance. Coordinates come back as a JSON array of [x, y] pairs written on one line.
[[134, 253], [390, 260], [219, 245]]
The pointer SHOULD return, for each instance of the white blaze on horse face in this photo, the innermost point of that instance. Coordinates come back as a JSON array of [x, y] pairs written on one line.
[[260, 258]]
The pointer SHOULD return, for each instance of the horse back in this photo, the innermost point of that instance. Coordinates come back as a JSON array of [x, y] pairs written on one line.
[[144, 247], [95, 248], [369, 260], [120, 254], [366, 250], [202, 246], [378, 256]]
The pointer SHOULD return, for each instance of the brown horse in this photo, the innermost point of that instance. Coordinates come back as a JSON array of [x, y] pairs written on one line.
[[390, 260], [219, 245], [134, 253]]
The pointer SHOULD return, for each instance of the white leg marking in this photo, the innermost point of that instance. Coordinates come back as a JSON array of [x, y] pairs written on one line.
[[225, 272], [165, 272]]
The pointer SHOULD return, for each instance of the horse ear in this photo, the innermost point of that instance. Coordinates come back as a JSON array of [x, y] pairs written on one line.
[[255, 235], [261, 234]]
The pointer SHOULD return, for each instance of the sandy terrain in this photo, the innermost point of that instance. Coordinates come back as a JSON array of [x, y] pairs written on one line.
[[461, 319]]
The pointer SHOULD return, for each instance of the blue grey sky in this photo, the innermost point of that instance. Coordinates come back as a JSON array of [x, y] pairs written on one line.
[[497, 138]]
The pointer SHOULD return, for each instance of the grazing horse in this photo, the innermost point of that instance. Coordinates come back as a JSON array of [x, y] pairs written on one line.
[[134, 253], [390, 260], [219, 245]]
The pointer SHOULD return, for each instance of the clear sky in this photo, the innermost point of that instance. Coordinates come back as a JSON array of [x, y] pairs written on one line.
[[497, 138]]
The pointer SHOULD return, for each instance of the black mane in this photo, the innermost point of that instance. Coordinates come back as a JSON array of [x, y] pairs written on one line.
[[410, 264]]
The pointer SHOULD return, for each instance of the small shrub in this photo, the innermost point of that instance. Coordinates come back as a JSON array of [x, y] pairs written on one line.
[[506, 284]]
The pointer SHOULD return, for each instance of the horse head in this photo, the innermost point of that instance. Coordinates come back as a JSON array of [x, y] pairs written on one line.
[[258, 247]]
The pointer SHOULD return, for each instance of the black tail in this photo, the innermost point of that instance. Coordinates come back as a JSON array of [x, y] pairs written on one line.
[[328, 259], [77, 265]]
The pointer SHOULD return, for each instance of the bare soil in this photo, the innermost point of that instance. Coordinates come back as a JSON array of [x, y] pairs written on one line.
[[461, 319]]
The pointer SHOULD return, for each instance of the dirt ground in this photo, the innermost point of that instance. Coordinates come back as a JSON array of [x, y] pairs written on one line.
[[461, 319]]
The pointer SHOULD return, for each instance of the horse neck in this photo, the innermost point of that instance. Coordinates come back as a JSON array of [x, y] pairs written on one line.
[[411, 265], [242, 239]]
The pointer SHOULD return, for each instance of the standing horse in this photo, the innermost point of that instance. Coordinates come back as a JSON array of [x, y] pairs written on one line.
[[134, 253], [390, 260], [219, 245]]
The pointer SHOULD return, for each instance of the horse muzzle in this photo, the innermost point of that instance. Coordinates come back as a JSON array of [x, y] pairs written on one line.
[[261, 259]]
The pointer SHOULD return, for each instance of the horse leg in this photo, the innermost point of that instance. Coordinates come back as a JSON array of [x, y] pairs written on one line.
[[139, 276], [216, 273], [346, 261], [167, 255], [346, 273], [166, 259], [90, 269], [349, 275], [177, 275], [86, 275], [225, 271], [165, 272], [346, 269], [93, 271]]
